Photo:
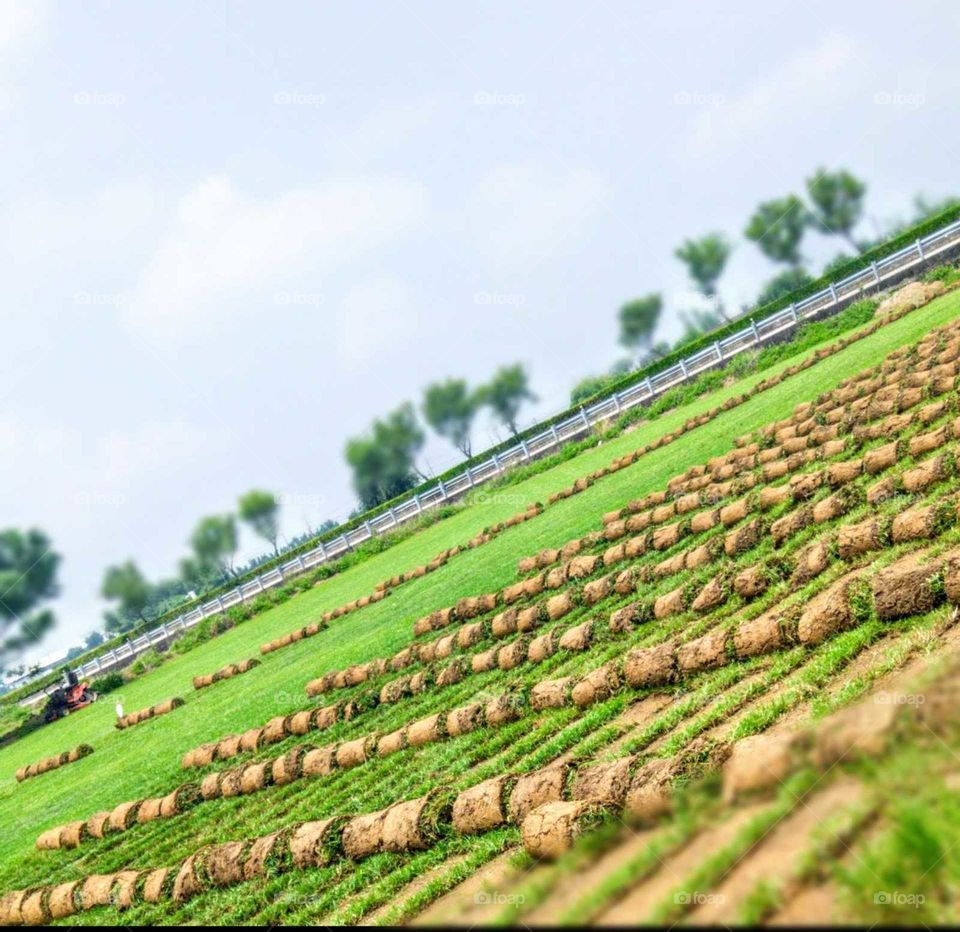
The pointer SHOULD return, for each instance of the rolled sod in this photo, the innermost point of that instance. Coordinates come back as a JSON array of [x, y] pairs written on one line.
[[418, 823], [95, 890], [483, 807], [62, 900], [224, 862], [184, 797], [158, 884], [124, 891], [317, 844], [550, 830], [363, 835]]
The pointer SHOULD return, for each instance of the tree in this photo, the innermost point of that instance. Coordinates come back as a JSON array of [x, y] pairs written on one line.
[[588, 387], [449, 408], [837, 199], [705, 259], [94, 639], [777, 227], [696, 322], [261, 511], [214, 542], [505, 393], [28, 577], [782, 284], [638, 322], [127, 586], [383, 460]]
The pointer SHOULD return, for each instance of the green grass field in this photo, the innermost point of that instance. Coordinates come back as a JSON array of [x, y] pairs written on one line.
[[145, 760]]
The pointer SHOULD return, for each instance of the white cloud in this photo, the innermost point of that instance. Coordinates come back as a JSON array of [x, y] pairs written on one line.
[[150, 450], [524, 212], [373, 319], [105, 225], [22, 22], [811, 81], [226, 246], [381, 132]]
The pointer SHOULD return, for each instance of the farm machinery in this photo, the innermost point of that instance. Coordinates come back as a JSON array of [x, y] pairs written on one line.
[[68, 697]]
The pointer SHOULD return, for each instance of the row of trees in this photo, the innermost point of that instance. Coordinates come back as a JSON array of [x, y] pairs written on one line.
[[213, 547], [833, 206], [383, 461]]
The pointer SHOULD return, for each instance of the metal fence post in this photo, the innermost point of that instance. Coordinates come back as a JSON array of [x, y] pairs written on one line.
[[526, 452], [683, 369], [833, 293], [716, 346], [556, 436], [876, 272], [416, 498], [583, 417], [649, 385], [443, 490], [920, 249]]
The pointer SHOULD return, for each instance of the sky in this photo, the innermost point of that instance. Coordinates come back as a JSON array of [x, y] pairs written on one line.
[[235, 233]]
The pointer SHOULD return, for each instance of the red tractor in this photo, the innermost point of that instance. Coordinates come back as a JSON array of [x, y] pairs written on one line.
[[69, 697]]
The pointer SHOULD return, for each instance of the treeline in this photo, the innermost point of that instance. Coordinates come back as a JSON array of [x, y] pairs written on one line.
[[210, 562], [832, 205], [383, 460]]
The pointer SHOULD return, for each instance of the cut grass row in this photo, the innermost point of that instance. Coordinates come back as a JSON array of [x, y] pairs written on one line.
[[175, 738]]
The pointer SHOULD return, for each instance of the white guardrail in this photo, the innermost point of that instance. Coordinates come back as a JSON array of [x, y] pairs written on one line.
[[755, 334]]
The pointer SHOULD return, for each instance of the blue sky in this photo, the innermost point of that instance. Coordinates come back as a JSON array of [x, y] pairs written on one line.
[[235, 233]]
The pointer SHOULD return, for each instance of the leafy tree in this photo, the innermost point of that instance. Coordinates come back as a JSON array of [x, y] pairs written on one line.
[[261, 511], [705, 259], [383, 460], [505, 393], [214, 542], [449, 408], [777, 227], [28, 577], [94, 639], [837, 199], [588, 387], [638, 322], [127, 586], [838, 262], [782, 284], [696, 322]]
